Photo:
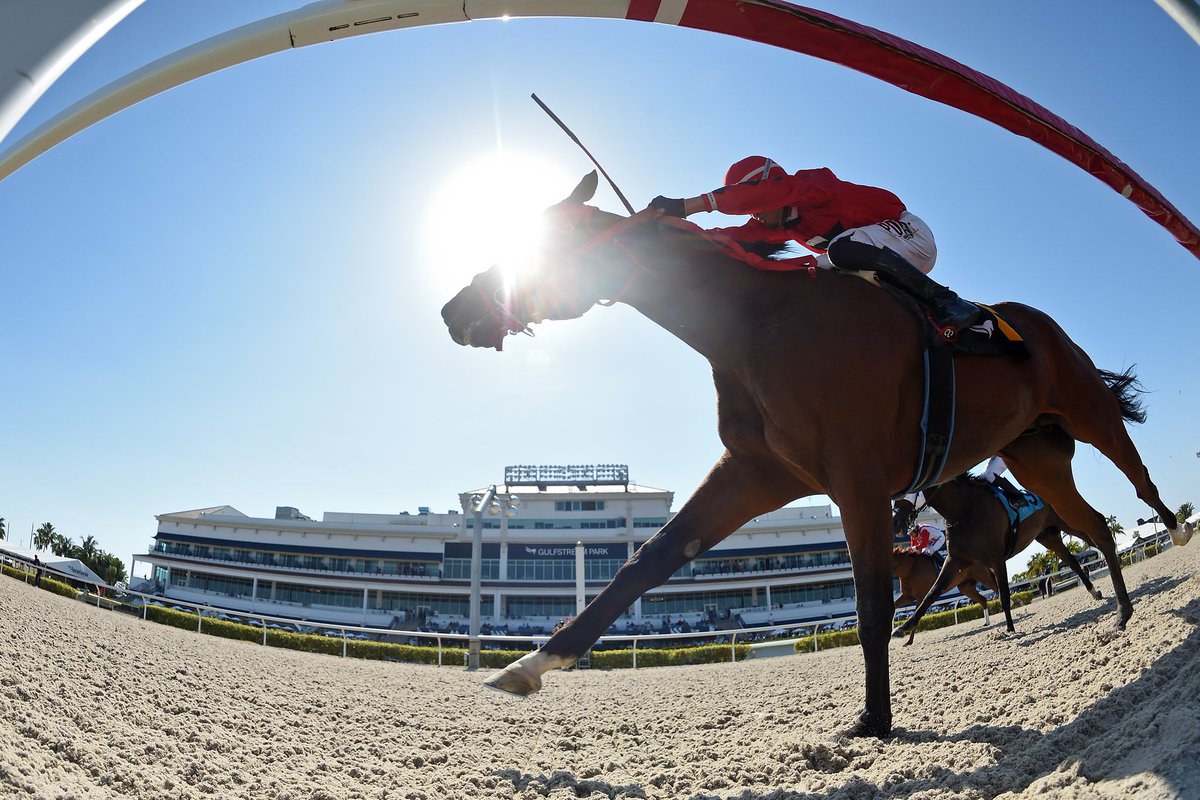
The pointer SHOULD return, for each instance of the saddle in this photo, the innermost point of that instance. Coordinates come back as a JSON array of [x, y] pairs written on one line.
[[992, 336]]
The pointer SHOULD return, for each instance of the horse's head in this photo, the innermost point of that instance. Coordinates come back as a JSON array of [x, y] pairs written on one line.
[[559, 287], [904, 514]]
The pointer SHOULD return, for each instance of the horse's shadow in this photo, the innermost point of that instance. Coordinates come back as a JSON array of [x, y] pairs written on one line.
[[1031, 754], [1097, 613], [1026, 636], [1027, 754]]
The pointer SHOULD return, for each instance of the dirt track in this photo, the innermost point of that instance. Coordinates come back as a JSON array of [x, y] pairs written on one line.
[[95, 704]]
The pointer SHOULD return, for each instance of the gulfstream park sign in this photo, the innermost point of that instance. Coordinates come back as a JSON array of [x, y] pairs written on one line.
[[591, 551]]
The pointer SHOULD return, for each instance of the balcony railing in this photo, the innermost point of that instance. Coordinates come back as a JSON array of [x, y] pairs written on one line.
[[293, 568]]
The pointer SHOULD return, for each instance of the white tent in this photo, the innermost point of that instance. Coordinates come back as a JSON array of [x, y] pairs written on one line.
[[60, 565]]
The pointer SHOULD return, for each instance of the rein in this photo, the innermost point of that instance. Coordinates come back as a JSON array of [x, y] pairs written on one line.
[[611, 235]]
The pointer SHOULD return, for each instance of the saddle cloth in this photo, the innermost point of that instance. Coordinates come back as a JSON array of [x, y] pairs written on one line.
[[1016, 516]]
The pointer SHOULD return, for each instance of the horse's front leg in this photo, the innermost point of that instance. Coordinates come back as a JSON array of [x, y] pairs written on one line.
[[950, 569], [868, 525], [731, 495]]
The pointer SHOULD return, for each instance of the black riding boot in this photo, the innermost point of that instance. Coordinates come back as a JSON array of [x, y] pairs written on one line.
[[949, 310], [1016, 498]]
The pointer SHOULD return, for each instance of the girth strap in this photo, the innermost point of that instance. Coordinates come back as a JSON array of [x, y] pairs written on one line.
[[937, 418]]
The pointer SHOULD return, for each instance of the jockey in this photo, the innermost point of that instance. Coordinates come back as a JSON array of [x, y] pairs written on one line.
[[847, 225], [993, 473], [930, 541]]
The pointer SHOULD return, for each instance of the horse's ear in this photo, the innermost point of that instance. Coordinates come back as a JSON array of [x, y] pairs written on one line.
[[585, 190]]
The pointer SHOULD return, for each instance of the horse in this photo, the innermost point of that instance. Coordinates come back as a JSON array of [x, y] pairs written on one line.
[[918, 573], [852, 436], [978, 536]]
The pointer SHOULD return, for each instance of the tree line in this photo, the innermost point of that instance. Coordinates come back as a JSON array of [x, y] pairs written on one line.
[[108, 566]]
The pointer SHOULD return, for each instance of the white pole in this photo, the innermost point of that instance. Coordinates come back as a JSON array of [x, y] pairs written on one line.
[[580, 594], [476, 579]]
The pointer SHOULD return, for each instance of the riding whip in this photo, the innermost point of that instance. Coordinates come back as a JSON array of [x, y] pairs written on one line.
[[575, 139]]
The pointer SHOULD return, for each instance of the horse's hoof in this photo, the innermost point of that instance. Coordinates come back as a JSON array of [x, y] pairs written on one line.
[[1183, 533], [515, 679], [899, 633], [866, 725], [1096, 594]]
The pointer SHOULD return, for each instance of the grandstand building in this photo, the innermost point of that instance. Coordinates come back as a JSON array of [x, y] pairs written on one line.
[[413, 571]]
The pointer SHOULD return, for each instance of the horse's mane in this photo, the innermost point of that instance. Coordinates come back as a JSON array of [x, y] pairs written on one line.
[[975, 478], [767, 249], [906, 551]]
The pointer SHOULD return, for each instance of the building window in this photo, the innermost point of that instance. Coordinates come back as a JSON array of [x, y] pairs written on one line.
[[460, 569], [578, 505]]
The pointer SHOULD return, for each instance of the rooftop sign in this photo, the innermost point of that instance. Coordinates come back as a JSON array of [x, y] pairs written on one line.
[[568, 475]]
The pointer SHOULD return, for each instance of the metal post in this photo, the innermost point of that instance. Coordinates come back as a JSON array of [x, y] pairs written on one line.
[[476, 579], [580, 592]]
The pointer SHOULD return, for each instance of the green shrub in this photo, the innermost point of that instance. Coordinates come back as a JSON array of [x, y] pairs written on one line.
[[666, 657], [49, 584]]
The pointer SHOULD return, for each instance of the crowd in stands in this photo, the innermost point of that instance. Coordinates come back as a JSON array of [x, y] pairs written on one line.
[[734, 566]]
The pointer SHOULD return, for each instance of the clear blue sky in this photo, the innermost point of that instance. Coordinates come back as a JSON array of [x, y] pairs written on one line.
[[230, 293]]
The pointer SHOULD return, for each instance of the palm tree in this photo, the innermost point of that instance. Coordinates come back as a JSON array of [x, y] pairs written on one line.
[[111, 569], [1041, 563], [1185, 511], [88, 552], [43, 536], [1114, 527], [62, 545], [3, 533]]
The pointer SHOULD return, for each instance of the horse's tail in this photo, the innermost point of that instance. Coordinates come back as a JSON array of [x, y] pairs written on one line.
[[1127, 390]]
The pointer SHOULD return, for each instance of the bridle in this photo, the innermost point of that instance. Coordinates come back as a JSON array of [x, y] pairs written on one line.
[[579, 217]]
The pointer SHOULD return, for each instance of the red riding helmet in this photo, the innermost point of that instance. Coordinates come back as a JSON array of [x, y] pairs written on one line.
[[753, 168]]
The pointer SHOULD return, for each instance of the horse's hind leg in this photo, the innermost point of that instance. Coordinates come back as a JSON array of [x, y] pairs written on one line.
[[969, 591], [1051, 539], [1041, 461], [1000, 575], [1098, 419], [731, 495]]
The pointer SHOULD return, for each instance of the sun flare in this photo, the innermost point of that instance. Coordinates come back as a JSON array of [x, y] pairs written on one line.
[[490, 209]]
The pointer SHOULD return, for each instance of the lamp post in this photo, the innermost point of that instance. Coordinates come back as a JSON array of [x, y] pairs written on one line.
[[493, 503]]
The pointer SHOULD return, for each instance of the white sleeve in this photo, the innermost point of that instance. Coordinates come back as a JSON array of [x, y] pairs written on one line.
[[994, 468], [936, 537]]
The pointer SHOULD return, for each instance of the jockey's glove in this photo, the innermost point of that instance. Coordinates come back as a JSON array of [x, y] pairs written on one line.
[[671, 206]]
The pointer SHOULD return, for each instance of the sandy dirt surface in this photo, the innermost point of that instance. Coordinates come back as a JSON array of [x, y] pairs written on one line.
[[95, 704]]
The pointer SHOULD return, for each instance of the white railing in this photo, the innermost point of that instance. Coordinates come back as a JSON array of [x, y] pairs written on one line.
[[534, 641]]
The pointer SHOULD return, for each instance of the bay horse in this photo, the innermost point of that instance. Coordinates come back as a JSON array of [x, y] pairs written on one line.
[[851, 436], [918, 573], [978, 536]]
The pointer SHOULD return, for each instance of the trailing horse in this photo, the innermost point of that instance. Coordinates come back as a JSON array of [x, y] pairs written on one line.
[[852, 436], [979, 537], [917, 574]]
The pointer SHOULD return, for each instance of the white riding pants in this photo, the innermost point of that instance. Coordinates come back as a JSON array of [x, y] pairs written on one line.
[[907, 236]]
